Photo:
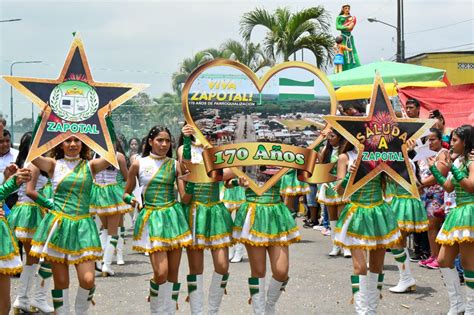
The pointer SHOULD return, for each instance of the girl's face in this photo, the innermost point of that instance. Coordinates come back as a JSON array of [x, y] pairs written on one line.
[[333, 139], [457, 144], [346, 10], [434, 143], [160, 145], [71, 146], [134, 145]]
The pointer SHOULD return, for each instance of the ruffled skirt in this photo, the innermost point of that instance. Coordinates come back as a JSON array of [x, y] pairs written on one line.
[[24, 220], [261, 224], [107, 200], [410, 213], [458, 226], [10, 261]]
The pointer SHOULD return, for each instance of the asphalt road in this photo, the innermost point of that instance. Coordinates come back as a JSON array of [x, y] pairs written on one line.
[[318, 285]]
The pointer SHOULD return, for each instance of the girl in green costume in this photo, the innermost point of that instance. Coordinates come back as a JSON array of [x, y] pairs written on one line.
[[366, 223], [68, 234], [328, 196], [10, 261], [345, 23], [264, 224], [211, 225], [457, 233], [291, 188], [161, 228], [24, 219]]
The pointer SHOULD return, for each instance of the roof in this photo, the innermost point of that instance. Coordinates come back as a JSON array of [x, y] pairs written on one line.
[[422, 55]]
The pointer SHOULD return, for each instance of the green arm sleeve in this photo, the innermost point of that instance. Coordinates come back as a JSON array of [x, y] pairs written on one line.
[[9, 187], [187, 148], [340, 23], [44, 202]]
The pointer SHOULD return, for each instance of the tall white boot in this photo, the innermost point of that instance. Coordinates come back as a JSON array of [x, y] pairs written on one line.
[[103, 236], [275, 288], [61, 301], [22, 301], [195, 294], [374, 291], [238, 254], [83, 300], [172, 301], [469, 278], [109, 255], [231, 252], [257, 295], [216, 292], [406, 283], [159, 296], [120, 243], [359, 293], [453, 285], [40, 298], [336, 250]]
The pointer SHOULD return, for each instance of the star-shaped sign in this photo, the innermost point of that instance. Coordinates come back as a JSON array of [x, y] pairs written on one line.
[[381, 140], [74, 105]]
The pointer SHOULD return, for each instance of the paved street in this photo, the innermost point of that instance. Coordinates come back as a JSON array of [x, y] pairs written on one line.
[[318, 285]]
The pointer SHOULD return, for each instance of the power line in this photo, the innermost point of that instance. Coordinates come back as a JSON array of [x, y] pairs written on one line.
[[439, 27]]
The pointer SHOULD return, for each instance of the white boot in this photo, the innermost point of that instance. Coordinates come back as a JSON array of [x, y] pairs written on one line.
[[108, 256], [61, 301], [374, 289], [453, 285], [22, 301], [406, 283], [238, 254], [196, 294], [336, 250], [216, 292], [469, 291], [257, 295], [104, 237], [275, 288], [347, 253], [172, 301], [359, 292], [83, 300], [153, 299], [40, 296], [231, 252], [119, 249]]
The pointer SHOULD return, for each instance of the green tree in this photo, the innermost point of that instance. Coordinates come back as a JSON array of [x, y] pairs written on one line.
[[249, 54], [186, 68], [289, 32]]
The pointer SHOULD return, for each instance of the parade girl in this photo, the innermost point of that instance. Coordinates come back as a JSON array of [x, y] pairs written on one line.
[[24, 219], [264, 224], [161, 228], [107, 203], [290, 190], [411, 217], [233, 197], [433, 195], [366, 223], [457, 233], [211, 226], [68, 235], [327, 195], [10, 260]]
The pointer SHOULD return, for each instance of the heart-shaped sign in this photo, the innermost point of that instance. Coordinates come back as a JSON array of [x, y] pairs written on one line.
[[259, 127]]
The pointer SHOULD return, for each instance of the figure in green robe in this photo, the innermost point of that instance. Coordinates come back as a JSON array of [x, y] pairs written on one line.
[[345, 23]]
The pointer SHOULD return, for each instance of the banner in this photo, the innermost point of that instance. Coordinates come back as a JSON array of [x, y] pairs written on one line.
[[258, 127]]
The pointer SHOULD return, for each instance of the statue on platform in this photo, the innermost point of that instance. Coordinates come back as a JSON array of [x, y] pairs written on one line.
[[345, 23]]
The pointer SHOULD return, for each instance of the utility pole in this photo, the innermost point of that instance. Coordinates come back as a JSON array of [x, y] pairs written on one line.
[[400, 32]]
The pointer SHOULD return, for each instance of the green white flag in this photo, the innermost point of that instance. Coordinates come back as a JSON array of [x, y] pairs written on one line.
[[296, 90]]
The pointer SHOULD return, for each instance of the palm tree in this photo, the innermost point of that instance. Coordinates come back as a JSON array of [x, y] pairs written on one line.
[[187, 67], [290, 32], [249, 54]]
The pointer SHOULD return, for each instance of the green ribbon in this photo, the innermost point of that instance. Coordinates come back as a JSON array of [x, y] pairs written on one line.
[[187, 148], [457, 174], [44, 202], [440, 179]]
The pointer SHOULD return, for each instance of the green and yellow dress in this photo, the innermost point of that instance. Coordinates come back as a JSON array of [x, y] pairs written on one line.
[[327, 195], [458, 227], [409, 211], [209, 220], [232, 197], [367, 222], [26, 215], [161, 225], [265, 220], [291, 186], [68, 234], [10, 261], [107, 193]]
